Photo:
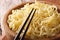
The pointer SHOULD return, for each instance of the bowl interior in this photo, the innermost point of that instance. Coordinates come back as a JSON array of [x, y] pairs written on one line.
[[7, 29]]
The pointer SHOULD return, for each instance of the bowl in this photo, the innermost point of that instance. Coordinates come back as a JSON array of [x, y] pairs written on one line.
[[9, 33]]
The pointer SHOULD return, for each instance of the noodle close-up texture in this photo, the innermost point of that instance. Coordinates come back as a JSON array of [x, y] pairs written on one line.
[[46, 20]]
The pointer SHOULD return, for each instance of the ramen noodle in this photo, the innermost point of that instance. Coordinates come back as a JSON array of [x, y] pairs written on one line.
[[46, 20]]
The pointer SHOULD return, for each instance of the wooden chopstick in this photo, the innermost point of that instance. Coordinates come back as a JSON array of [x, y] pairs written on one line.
[[17, 36]]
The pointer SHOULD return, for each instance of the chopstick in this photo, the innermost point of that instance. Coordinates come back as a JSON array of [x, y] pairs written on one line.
[[17, 37]]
